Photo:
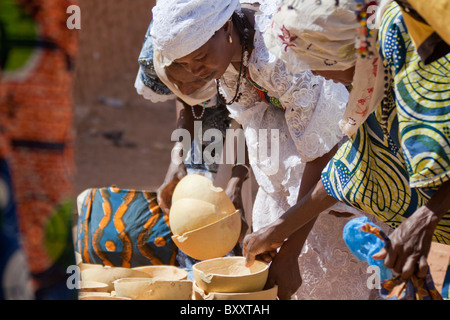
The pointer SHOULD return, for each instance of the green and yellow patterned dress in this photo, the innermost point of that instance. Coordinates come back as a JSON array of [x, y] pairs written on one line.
[[401, 155]]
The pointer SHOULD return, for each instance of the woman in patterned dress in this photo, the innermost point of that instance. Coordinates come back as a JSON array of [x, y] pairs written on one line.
[[396, 165]]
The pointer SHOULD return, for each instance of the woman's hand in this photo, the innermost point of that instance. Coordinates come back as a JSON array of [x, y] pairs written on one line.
[[263, 243], [406, 253], [410, 243], [175, 173]]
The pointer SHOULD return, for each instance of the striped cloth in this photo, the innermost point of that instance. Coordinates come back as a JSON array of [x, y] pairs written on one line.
[[124, 228]]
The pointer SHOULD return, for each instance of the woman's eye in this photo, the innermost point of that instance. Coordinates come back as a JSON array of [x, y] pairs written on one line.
[[201, 58]]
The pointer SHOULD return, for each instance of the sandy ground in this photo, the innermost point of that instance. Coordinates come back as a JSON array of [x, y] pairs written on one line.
[[438, 260], [122, 139]]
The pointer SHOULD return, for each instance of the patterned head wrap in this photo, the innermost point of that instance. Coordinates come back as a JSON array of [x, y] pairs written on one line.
[[182, 26], [147, 82], [327, 35], [320, 32]]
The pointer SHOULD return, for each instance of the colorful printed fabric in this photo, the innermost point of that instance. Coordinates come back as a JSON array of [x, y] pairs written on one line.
[[36, 116], [413, 289], [381, 172], [147, 73], [217, 118], [14, 273], [446, 284], [263, 94], [422, 96], [124, 228]]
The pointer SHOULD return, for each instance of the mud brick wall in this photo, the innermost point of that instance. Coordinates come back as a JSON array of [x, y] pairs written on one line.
[[111, 36]]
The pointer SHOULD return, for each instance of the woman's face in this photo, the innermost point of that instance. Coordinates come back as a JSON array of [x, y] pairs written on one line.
[[342, 76], [212, 59], [185, 81]]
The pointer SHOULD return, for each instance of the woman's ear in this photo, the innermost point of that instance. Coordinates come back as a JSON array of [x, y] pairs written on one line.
[[228, 27]]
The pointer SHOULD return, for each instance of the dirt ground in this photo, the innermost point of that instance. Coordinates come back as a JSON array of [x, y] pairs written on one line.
[[122, 139]]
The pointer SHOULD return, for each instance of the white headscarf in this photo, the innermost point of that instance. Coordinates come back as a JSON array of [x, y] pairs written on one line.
[[182, 26], [321, 35]]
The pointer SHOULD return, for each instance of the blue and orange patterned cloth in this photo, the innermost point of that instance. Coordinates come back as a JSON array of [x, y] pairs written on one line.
[[123, 228], [393, 288], [414, 288]]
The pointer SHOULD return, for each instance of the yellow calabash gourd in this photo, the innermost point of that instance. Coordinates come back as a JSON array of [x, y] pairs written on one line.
[[108, 275], [198, 187], [230, 275], [196, 202], [150, 289], [212, 241], [204, 222], [191, 214]]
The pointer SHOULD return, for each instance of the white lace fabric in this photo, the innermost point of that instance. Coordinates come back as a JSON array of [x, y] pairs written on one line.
[[148, 93], [308, 129], [329, 270], [181, 27], [314, 106]]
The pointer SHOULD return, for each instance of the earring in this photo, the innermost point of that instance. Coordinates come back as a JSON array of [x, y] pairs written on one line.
[[230, 39]]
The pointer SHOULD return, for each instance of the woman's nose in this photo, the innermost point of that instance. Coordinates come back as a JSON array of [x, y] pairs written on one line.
[[197, 69]]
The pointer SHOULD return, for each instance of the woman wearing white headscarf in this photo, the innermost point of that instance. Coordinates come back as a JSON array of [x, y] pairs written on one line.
[[197, 102], [394, 166], [217, 40]]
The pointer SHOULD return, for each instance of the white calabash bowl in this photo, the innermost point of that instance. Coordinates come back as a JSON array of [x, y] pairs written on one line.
[[164, 272], [108, 275], [148, 289], [230, 275]]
